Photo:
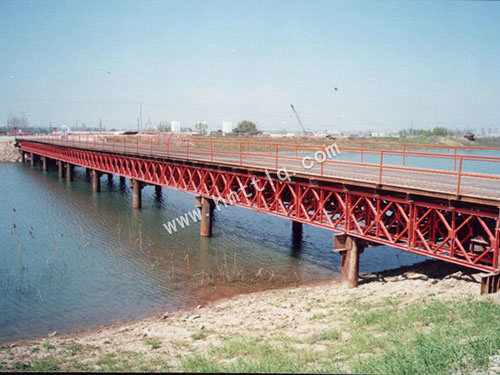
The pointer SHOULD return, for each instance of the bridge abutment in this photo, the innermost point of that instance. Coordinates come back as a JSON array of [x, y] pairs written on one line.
[[207, 210], [96, 181], [136, 194], [349, 248]]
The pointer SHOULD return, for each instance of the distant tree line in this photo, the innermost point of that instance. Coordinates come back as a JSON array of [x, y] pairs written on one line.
[[438, 131]]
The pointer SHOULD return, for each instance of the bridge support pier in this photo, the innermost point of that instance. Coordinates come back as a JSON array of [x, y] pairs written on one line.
[[490, 283], [158, 190], [207, 210], [122, 180], [44, 163], [349, 248], [60, 169], [296, 231], [69, 172], [136, 194], [23, 156], [96, 181], [32, 160], [110, 178]]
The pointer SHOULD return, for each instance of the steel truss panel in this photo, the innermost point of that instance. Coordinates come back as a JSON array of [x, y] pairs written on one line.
[[467, 236]]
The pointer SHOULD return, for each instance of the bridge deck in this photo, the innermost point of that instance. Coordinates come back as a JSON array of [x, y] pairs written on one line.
[[427, 181]]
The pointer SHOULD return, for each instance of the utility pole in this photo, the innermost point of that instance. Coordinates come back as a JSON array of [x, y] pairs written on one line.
[[100, 125]]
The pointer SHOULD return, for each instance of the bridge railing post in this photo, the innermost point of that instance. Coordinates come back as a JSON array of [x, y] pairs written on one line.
[[404, 155], [187, 149], [380, 168], [150, 146], [361, 153], [241, 157], [455, 158], [459, 174], [168, 144], [211, 150], [276, 154]]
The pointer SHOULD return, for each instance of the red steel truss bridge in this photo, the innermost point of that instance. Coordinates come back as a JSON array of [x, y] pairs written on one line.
[[372, 193]]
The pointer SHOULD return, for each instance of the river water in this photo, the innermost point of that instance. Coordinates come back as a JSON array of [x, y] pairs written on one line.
[[71, 259]]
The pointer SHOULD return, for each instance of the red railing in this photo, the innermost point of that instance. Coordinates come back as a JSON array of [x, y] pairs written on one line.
[[274, 154]]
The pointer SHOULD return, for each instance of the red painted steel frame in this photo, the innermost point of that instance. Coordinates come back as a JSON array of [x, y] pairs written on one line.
[[467, 236]]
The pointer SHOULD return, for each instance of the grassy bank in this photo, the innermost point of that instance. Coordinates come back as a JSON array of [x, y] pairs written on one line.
[[410, 323]]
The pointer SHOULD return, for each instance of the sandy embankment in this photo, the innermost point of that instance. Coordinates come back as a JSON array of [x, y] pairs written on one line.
[[8, 152], [296, 312]]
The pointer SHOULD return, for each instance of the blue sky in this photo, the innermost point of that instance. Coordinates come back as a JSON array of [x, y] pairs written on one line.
[[395, 63]]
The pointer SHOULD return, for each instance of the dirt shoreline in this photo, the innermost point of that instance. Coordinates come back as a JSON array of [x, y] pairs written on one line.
[[299, 312]]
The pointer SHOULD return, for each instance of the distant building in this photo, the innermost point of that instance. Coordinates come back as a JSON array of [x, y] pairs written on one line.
[[175, 126], [227, 127], [374, 134]]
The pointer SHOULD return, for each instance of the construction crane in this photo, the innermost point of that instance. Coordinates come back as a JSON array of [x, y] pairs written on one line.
[[304, 129]]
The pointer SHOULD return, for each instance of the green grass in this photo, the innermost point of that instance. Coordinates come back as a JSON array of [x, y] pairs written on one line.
[[252, 355], [74, 349], [422, 338], [44, 365], [327, 335], [47, 346], [200, 335], [153, 342]]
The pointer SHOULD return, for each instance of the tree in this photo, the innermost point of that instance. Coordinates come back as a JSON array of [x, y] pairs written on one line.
[[440, 131], [201, 128], [164, 126], [14, 121], [246, 127]]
